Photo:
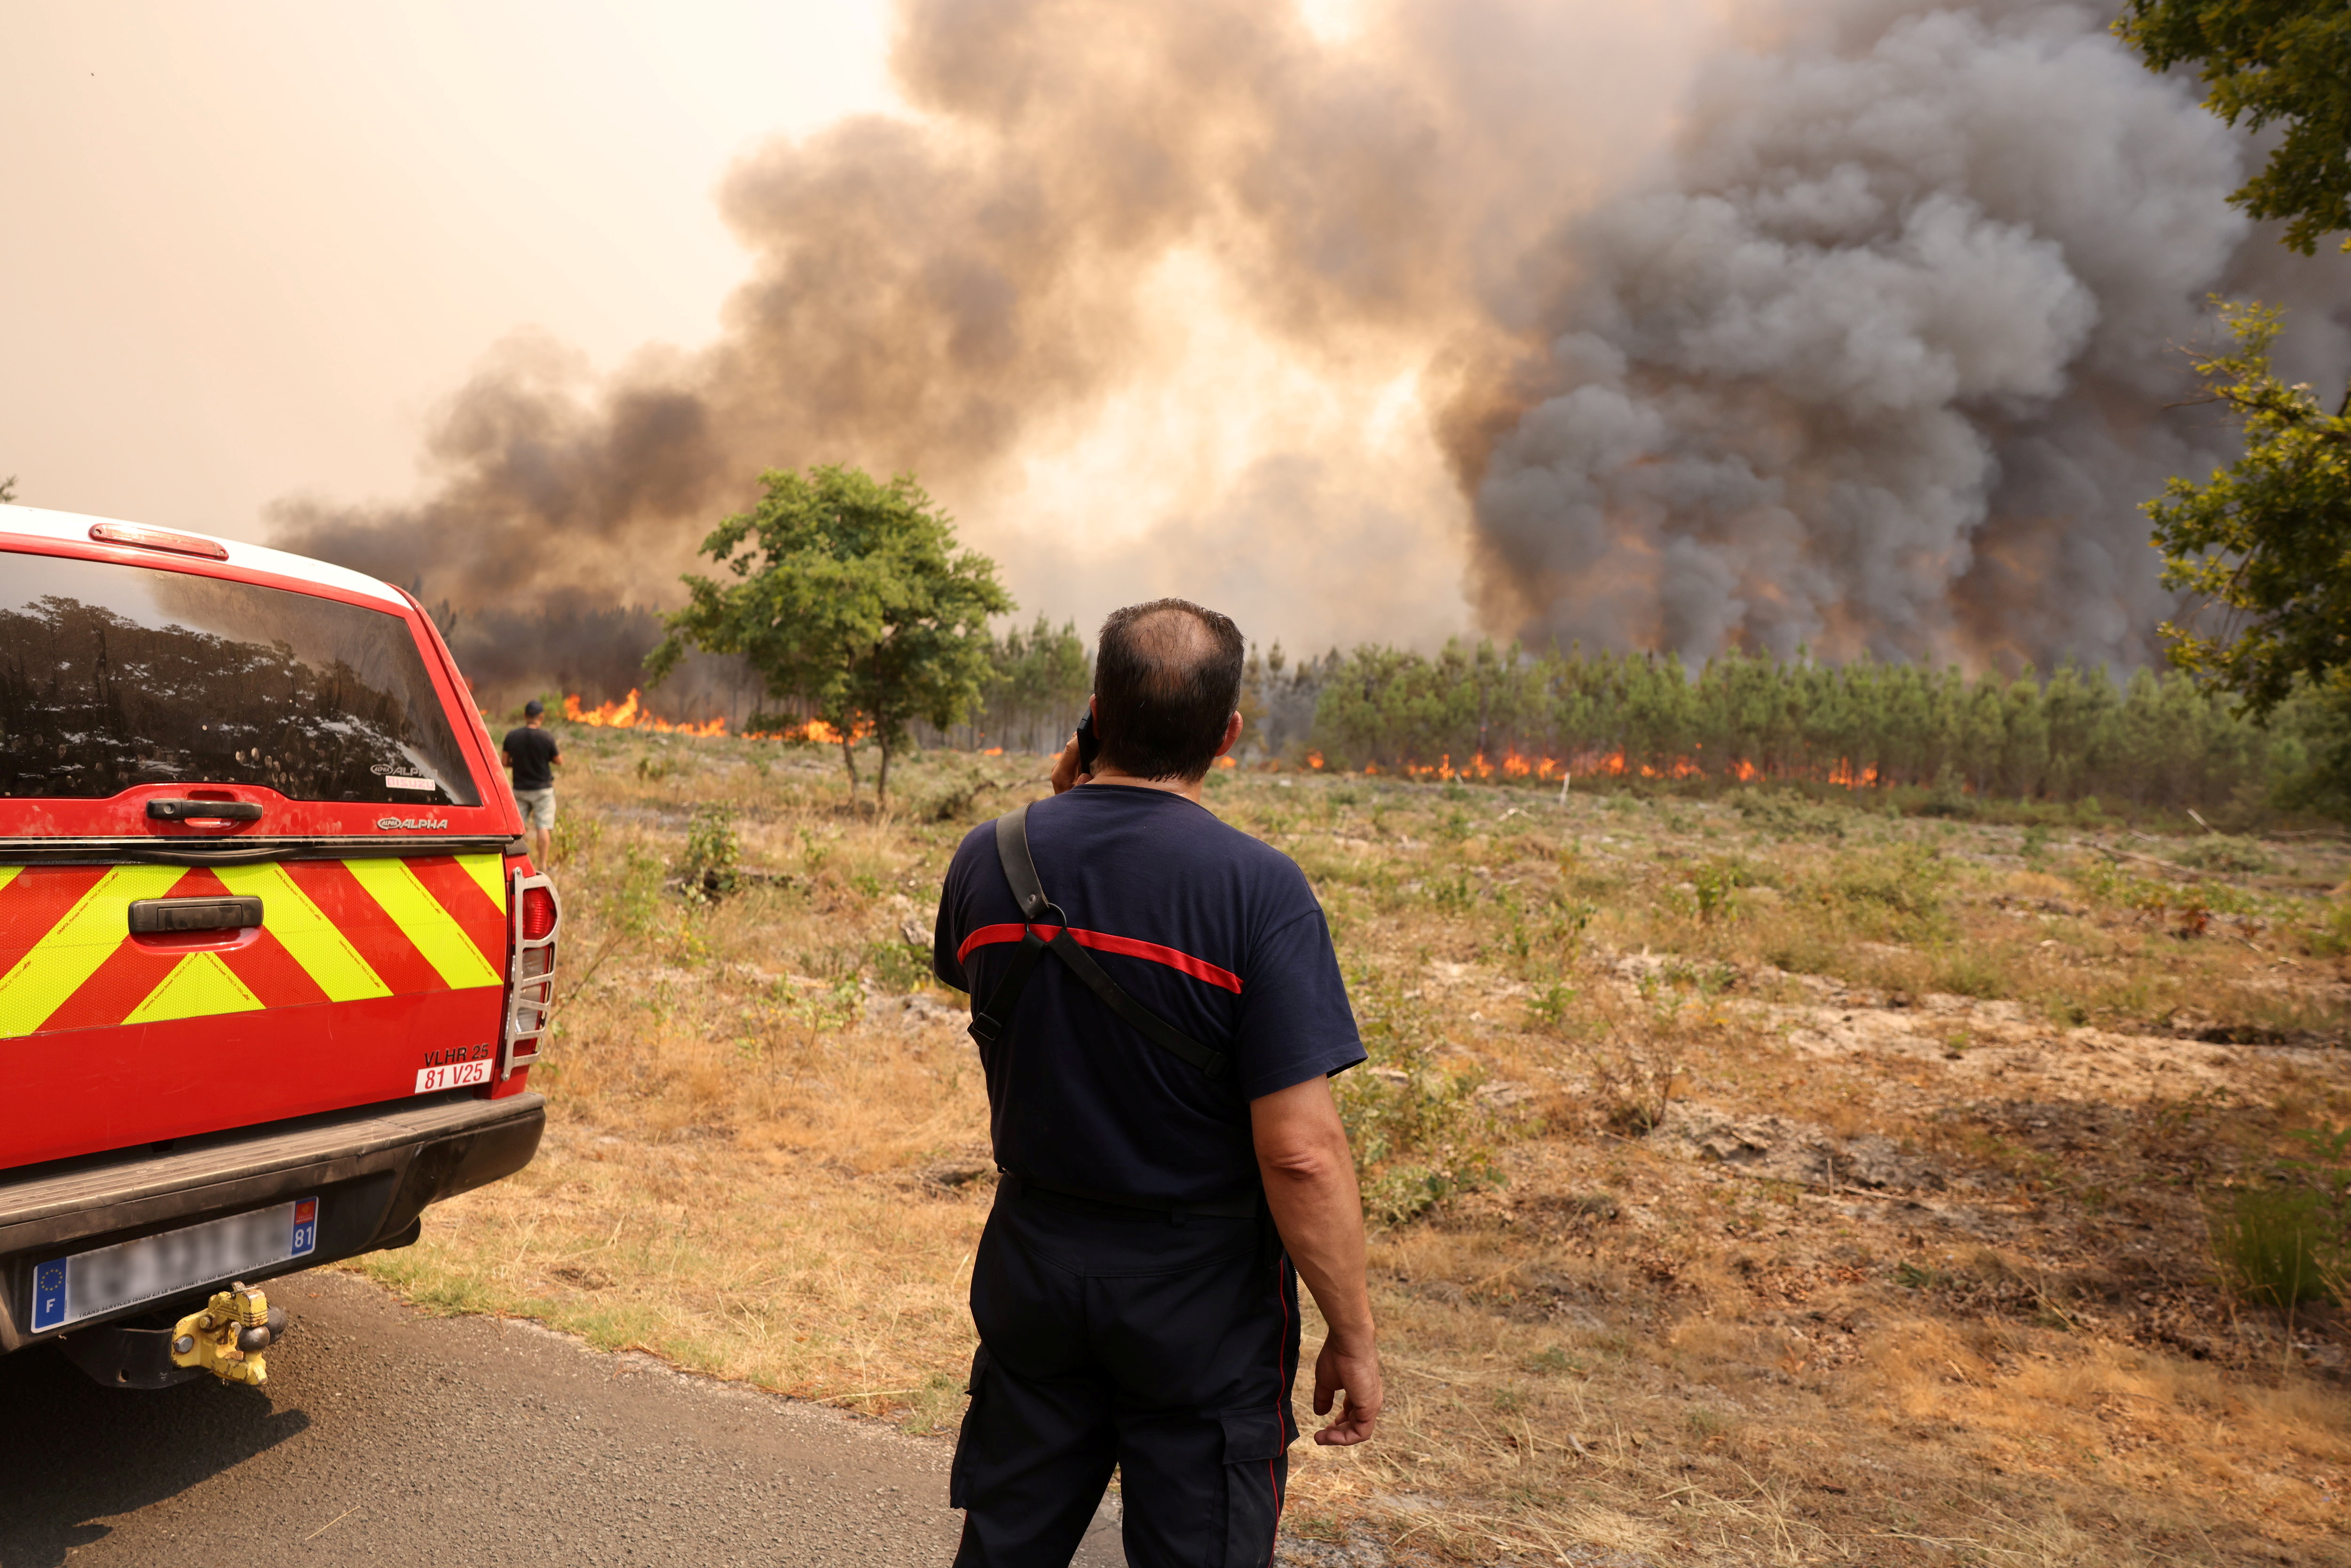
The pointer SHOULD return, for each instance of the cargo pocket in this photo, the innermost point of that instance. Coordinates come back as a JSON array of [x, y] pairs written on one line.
[[1257, 1471], [966, 1439]]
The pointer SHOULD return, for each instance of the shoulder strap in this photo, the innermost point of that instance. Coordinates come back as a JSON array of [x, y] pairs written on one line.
[[1021, 870]]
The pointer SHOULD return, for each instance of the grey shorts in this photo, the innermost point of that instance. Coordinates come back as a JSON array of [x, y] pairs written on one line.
[[538, 809]]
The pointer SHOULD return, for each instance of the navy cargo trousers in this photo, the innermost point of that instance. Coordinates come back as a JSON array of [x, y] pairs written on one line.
[[1163, 1343]]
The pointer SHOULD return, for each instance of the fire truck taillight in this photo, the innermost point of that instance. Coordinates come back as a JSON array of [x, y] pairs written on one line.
[[530, 971]]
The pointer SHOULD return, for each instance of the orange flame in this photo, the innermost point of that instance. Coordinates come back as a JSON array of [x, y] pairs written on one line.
[[1514, 764], [627, 715]]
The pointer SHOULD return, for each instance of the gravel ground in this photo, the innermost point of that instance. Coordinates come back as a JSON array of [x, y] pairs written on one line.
[[388, 1436]]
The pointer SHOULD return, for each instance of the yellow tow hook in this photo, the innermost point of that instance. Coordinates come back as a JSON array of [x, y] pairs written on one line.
[[228, 1337]]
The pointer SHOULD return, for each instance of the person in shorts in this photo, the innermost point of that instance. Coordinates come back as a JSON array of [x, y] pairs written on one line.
[[531, 756]]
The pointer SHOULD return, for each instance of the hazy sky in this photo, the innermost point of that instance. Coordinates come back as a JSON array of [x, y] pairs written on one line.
[[249, 245]]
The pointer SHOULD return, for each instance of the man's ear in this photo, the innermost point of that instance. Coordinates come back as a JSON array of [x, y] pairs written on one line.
[[1232, 734]]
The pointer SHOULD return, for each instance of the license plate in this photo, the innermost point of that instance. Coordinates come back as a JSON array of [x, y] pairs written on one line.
[[90, 1284], [456, 1075]]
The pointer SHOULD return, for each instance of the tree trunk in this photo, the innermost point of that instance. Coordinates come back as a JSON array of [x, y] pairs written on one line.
[[881, 777], [849, 755]]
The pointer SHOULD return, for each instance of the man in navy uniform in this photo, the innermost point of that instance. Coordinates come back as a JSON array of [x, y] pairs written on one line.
[[1160, 1013]]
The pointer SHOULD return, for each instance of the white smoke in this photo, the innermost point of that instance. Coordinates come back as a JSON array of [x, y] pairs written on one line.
[[1880, 362]]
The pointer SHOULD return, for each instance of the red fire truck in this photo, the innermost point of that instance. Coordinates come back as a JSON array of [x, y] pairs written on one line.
[[273, 965]]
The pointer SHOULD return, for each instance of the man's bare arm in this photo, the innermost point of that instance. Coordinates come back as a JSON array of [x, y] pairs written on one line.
[[1310, 1183]]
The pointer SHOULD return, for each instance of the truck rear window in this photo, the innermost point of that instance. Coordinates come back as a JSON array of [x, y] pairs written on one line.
[[114, 675]]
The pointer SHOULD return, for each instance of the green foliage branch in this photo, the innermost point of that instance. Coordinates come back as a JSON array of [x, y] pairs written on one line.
[[2267, 540], [849, 596], [2264, 62]]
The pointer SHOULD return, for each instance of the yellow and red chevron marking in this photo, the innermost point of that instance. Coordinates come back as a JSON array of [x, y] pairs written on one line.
[[332, 931]]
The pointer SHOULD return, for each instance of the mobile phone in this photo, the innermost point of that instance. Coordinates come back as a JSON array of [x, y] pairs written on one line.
[[1087, 743]]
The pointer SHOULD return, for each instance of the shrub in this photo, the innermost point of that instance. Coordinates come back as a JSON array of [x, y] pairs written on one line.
[[2290, 1243], [1897, 892], [712, 866], [1632, 1084], [2270, 1242], [1790, 814], [1417, 1131], [2221, 853]]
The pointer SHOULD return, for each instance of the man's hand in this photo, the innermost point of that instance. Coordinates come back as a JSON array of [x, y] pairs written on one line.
[[1065, 768], [1310, 1183], [1340, 1366]]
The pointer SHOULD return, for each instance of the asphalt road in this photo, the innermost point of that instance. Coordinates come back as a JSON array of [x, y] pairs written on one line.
[[386, 1437]]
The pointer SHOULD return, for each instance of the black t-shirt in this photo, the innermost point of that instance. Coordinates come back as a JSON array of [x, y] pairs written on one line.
[[532, 750], [1214, 931]]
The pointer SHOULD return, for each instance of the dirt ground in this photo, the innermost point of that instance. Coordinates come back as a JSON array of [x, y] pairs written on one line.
[[1766, 1178]]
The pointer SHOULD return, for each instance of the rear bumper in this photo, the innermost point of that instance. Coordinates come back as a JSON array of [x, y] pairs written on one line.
[[373, 1169]]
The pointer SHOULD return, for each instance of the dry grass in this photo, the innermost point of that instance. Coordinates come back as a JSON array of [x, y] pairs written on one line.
[[1848, 1175]]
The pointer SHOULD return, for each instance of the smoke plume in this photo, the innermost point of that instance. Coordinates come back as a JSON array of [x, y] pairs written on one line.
[[1853, 330], [1880, 362]]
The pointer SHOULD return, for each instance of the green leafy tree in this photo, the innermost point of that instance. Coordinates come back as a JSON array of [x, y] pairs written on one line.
[[7, 489], [1036, 684], [2282, 62], [849, 596], [2266, 541]]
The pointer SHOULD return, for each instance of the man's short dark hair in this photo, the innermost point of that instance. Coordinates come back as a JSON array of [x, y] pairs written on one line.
[[1167, 675]]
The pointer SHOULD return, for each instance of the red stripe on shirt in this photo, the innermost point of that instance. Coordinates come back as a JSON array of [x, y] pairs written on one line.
[[1151, 952]]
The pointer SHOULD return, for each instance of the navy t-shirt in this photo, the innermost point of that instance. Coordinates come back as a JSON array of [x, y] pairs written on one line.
[[1212, 930]]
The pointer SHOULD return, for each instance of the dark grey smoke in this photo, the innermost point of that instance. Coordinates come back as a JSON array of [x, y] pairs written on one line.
[[1879, 360], [1873, 360]]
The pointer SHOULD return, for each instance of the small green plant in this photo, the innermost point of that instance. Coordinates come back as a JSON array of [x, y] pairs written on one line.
[[1550, 1006], [1715, 889], [2220, 853], [628, 913], [1897, 892], [2269, 1241], [712, 866], [2331, 937], [1418, 1133], [898, 967], [1948, 798], [655, 766], [2035, 847], [2290, 1243]]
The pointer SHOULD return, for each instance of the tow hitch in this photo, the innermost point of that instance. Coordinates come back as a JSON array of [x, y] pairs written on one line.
[[228, 1338]]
